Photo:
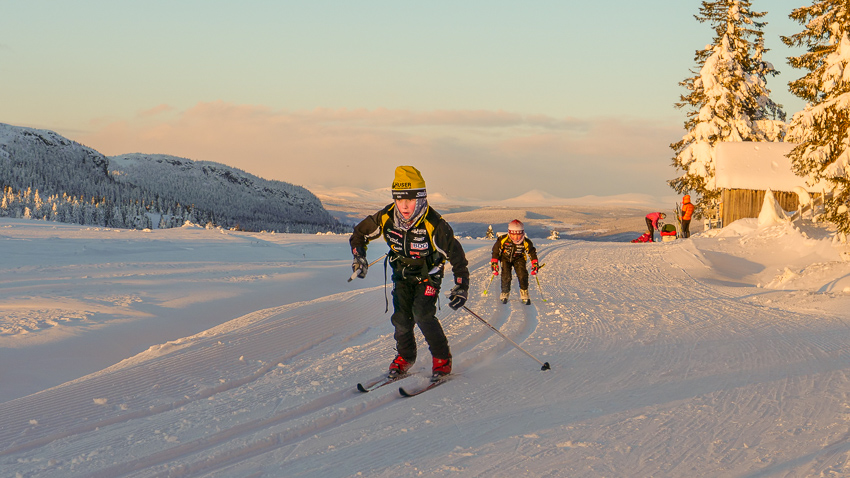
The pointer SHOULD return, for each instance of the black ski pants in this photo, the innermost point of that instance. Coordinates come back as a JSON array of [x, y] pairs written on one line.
[[415, 302], [517, 264], [650, 229]]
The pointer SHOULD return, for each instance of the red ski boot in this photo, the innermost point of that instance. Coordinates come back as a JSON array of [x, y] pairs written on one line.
[[441, 367], [400, 366]]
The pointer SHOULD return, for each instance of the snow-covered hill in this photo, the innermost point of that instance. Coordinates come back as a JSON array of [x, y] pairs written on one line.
[[218, 353], [238, 198], [76, 184], [43, 158]]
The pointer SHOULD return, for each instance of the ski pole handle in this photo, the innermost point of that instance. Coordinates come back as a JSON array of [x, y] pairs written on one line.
[[354, 274]]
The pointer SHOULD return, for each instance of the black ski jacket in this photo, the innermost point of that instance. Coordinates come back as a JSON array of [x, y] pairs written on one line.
[[505, 250], [417, 253]]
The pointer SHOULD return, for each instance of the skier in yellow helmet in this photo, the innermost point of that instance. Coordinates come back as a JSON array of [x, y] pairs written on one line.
[[421, 242]]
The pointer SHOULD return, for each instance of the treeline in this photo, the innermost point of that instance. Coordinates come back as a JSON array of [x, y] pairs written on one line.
[[29, 204]]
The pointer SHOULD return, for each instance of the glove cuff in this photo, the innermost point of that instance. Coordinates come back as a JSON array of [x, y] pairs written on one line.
[[462, 282]]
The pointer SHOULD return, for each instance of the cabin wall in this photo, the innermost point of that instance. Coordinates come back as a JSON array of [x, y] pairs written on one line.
[[741, 203]]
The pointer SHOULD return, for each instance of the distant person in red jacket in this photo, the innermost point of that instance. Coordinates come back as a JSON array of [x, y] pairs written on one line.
[[652, 223], [687, 212]]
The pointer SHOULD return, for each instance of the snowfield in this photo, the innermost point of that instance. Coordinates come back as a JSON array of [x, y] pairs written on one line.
[[193, 352]]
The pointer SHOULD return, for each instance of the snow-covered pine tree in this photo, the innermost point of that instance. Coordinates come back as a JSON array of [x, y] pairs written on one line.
[[728, 100], [822, 128]]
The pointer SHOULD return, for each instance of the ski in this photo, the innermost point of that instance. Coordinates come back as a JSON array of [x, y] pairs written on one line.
[[434, 383], [678, 220], [379, 382]]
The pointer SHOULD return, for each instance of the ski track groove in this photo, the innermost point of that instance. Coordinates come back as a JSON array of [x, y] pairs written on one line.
[[175, 384]]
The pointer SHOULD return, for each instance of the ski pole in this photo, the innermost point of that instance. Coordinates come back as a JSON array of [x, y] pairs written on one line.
[[354, 274], [487, 289], [544, 365], [539, 287]]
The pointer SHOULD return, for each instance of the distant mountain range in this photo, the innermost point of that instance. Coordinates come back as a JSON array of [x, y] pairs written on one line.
[[46, 176], [534, 198]]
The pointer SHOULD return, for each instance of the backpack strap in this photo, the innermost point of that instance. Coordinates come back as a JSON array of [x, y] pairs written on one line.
[[386, 217]]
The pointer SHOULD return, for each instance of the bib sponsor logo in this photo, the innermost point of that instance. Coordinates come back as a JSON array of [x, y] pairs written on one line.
[[421, 246], [430, 291], [419, 231]]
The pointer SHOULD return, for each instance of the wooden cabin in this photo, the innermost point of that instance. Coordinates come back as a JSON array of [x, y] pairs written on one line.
[[744, 171]]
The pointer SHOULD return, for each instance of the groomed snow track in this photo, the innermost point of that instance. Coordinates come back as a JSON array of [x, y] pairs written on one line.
[[654, 368]]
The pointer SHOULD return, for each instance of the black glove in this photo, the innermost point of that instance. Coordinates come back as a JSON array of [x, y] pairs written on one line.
[[458, 296], [360, 266]]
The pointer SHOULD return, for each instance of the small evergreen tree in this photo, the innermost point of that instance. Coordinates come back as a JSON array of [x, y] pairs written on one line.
[[822, 128], [728, 97]]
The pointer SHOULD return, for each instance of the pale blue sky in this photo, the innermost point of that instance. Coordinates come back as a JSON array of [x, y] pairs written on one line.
[[570, 97]]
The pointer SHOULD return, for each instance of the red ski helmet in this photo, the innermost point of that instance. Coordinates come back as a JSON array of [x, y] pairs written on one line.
[[516, 231]]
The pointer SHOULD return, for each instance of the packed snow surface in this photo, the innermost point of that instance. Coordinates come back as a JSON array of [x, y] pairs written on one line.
[[193, 352]]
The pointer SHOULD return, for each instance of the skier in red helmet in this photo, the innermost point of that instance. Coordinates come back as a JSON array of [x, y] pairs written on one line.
[[511, 250]]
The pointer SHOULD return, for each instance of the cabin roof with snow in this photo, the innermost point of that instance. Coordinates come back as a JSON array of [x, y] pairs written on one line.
[[757, 166]]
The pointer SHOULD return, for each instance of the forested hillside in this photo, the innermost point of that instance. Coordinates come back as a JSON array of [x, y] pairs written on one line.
[[245, 200], [46, 176]]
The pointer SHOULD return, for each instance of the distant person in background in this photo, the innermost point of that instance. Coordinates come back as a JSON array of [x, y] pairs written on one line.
[[510, 250], [652, 223], [685, 217]]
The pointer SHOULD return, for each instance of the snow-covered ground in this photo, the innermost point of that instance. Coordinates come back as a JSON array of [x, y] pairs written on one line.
[[193, 352]]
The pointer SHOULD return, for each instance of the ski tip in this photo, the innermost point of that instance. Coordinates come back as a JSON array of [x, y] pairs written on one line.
[[546, 366], [361, 388], [403, 392]]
